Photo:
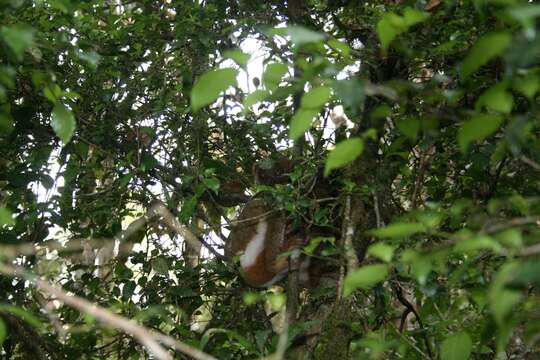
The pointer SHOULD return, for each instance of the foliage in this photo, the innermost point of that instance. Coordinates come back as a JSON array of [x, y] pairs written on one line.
[[422, 116]]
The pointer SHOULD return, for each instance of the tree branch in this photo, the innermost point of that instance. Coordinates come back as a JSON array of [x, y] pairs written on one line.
[[148, 338]]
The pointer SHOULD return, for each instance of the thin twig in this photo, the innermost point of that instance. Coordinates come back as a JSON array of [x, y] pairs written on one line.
[[159, 209], [376, 208], [530, 250], [261, 216], [282, 341], [425, 159], [48, 307], [156, 210], [146, 337], [325, 199], [411, 344], [527, 220], [530, 162], [496, 177], [410, 308]]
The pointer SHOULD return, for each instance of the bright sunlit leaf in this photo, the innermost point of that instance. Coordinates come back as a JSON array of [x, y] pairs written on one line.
[[398, 230], [344, 153], [316, 98], [382, 251], [6, 217], [238, 56], [391, 24], [502, 301], [301, 35], [528, 85], [364, 277], [456, 347], [63, 122], [18, 37], [3, 332], [301, 121], [478, 128], [255, 97], [273, 74], [496, 98], [485, 49]]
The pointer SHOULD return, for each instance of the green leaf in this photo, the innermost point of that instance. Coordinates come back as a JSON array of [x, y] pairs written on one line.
[[238, 56], [511, 238], [301, 35], [212, 83], [344, 153], [3, 332], [160, 265], [409, 127], [123, 272], [212, 184], [388, 28], [62, 5], [188, 208], [63, 122], [381, 112], [19, 38], [481, 242], [502, 301], [456, 347], [486, 48], [276, 300], [478, 128], [6, 122], [412, 16], [527, 274], [232, 335], [53, 92], [526, 14], [430, 219], [341, 47], [376, 342], [382, 251], [316, 98], [301, 121], [351, 93], [92, 58], [391, 25], [398, 230], [421, 265], [255, 97], [22, 314], [129, 289], [273, 74], [496, 98], [148, 162], [315, 242], [251, 298], [364, 277], [527, 85], [6, 217]]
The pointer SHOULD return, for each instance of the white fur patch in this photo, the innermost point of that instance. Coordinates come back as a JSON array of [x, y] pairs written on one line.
[[255, 245]]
